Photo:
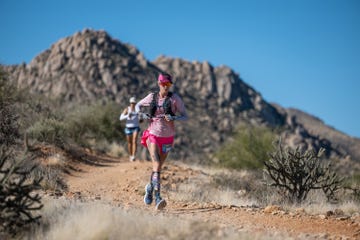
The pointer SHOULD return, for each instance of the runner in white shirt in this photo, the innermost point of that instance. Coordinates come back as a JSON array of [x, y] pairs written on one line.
[[132, 127]]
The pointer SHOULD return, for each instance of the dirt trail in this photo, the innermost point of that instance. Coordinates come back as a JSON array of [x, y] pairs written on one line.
[[122, 183]]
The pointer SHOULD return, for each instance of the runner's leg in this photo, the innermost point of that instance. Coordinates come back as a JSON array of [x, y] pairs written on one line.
[[134, 142], [128, 139], [160, 203], [163, 157], [155, 175], [154, 155]]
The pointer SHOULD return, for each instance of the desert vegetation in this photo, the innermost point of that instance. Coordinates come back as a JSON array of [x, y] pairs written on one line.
[[295, 173], [9, 125], [66, 219], [248, 148], [29, 127], [18, 200], [81, 125], [39, 137], [271, 173]]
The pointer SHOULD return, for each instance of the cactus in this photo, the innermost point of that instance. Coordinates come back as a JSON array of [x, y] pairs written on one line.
[[17, 199], [295, 173]]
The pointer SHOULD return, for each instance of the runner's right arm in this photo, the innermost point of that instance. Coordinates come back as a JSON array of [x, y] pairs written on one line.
[[124, 114]]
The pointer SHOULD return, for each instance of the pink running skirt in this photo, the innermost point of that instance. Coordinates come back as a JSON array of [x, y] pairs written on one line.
[[164, 143]]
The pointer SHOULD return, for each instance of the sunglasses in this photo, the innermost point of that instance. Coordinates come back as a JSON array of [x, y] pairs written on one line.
[[166, 84]]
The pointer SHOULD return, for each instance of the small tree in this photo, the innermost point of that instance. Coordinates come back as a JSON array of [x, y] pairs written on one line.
[[17, 200], [295, 173]]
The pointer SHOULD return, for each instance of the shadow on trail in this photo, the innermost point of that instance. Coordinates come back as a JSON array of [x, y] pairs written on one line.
[[80, 155], [194, 210]]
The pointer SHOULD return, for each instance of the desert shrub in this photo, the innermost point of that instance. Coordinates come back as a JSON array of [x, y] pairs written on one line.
[[17, 199], [295, 172], [237, 180], [352, 185], [94, 122], [52, 178], [37, 110], [247, 149], [352, 180], [52, 131], [20, 110], [82, 125], [9, 126]]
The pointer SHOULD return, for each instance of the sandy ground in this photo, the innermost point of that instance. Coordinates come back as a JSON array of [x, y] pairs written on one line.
[[121, 183]]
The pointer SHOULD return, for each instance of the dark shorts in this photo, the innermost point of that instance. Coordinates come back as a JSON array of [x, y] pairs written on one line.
[[130, 131]]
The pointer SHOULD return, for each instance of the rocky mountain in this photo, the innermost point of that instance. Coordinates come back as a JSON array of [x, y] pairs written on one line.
[[348, 148], [85, 66], [91, 65]]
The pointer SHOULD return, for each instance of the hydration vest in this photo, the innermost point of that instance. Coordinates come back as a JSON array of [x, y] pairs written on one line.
[[166, 104]]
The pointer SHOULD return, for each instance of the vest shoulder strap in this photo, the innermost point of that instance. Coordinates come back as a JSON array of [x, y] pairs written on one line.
[[155, 95], [166, 104]]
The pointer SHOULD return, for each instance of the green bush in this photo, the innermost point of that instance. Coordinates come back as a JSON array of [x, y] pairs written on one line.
[[352, 180], [247, 149], [96, 122], [51, 131], [352, 184], [81, 125]]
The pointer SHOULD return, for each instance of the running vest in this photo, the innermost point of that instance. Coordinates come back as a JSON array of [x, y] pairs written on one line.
[[166, 104]]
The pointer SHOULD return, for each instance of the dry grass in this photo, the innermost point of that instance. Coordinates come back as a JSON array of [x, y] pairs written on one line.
[[232, 189], [64, 219], [349, 208], [116, 150], [74, 220], [193, 192], [318, 204], [56, 160], [244, 188]]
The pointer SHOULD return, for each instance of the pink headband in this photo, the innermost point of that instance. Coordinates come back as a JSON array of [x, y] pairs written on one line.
[[164, 78]]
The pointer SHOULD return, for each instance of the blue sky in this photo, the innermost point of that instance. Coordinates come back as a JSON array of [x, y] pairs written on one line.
[[297, 53]]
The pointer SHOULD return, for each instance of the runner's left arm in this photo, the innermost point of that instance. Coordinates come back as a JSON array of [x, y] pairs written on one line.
[[143, 102], [180, 109]]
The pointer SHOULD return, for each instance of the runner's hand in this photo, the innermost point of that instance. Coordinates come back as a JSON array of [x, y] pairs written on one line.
[[145, 116], [168, 117]]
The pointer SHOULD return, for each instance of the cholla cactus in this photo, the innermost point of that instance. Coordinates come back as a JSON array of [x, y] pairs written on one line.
[[295, 173], [17, 199]]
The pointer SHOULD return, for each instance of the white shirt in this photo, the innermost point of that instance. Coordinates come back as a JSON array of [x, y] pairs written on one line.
[[132, 118]]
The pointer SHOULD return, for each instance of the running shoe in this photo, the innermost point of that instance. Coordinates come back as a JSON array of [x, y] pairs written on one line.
[[160, 203], [148, 198]]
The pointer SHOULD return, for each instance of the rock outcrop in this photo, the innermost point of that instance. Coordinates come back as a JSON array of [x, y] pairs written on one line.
[[86, 66]]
